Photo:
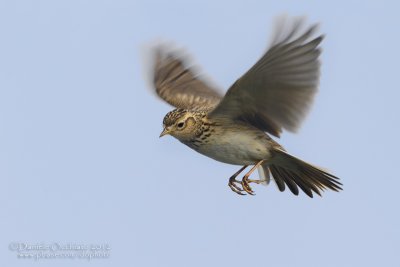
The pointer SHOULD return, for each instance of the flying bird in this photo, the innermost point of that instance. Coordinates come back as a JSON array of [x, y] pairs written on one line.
[[273, 95]]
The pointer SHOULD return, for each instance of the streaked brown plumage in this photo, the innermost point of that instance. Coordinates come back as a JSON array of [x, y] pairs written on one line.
[[275, 94]]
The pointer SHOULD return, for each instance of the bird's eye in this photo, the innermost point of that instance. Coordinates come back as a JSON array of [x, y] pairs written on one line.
[[180, 125]]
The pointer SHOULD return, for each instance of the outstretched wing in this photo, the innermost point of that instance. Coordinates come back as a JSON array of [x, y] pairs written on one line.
[[178, 84], [278, 90]]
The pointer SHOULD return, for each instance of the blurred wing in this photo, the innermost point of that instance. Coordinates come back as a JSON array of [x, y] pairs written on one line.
[[278, 90], [179, 85]]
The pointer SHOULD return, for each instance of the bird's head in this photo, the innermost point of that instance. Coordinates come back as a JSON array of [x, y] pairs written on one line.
[[181, 124]]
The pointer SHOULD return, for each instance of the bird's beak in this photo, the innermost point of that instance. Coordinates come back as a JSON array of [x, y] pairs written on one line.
[[164, 132]]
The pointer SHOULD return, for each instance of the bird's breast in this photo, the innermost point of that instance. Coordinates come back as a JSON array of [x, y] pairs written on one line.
[[233, 147]]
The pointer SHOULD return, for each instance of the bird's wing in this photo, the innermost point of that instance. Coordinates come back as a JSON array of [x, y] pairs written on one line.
[[278, 90], [178, 84]]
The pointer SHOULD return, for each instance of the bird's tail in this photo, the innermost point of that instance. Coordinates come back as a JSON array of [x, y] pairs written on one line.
[[294, 173]]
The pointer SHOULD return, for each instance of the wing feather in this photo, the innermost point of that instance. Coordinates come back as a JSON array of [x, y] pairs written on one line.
[[178, 84], [278, 90]]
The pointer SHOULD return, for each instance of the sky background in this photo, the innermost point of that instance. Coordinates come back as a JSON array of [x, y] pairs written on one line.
[[81, 161]]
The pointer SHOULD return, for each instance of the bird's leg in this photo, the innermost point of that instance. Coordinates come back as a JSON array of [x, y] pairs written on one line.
[[246, 181], [232, 182]]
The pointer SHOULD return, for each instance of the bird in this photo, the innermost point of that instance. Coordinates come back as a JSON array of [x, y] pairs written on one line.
[[275, 94]]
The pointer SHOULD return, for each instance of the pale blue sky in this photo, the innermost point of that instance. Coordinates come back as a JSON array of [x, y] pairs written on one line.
[[81, 161]]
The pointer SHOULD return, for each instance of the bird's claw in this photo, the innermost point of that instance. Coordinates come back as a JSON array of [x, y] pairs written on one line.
[[245, 183], [246, 186], [232, 184]]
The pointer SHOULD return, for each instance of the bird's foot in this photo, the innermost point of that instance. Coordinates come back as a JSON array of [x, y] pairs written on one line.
[[246, 181], [243, 187], [233, 184], [246, 185]]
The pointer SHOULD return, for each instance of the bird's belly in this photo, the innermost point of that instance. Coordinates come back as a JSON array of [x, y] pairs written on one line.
[[236, 149]]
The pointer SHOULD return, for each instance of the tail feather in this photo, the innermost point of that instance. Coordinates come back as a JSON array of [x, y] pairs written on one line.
[[293, 172], [280, 183], [307, 186], [286, 177]]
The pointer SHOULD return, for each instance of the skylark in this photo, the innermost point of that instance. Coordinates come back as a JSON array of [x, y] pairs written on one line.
[[275, 94]]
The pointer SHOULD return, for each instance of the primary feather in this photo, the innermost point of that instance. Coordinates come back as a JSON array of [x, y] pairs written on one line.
[[278, 90], [179, 85]]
